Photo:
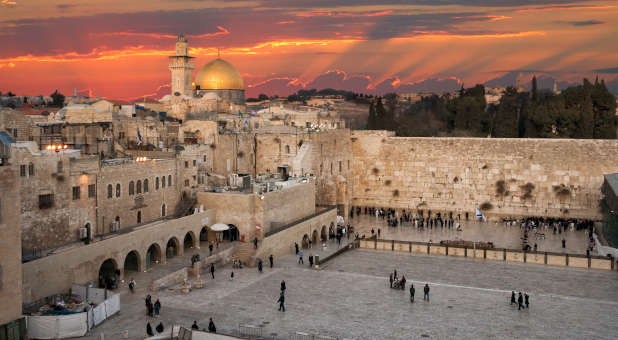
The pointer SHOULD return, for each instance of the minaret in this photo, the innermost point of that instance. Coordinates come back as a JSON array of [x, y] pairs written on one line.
[[181, 68]]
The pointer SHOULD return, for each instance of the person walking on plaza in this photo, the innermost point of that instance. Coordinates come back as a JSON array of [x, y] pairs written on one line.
[[563, 243], [282, 286], [520, 301], [513, 298], [300, 257], [212, 270], [271, 260], [403, 282], [211, 326], [149, 330], [390, 279], [232, 276], [281, 302], [379, 231], [426, 290], [132, 286], [157, 307], [395, 275], [255, 242], [260, 265], [210, 248], [412, 291], [296, 247], [310, 261], [526, 297]]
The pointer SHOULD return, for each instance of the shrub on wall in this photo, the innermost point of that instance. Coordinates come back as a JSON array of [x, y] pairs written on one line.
[[375, 171], [486, 206], [562, 191], [387, 182], [500, 188], [395, 193], [527, 190]]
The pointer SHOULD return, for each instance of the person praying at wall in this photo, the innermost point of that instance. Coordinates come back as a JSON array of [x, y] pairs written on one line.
[[296, 247], [513, 298], [149, 329], [412, 291], [426, 291], [212, 270]]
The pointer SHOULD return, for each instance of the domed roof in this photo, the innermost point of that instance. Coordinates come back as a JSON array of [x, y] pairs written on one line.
[[219, 75]]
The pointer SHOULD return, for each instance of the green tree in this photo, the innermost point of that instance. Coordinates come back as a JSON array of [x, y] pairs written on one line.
[[372, 118], [262, 97], [57, 98], [506, 122], [535, 94]]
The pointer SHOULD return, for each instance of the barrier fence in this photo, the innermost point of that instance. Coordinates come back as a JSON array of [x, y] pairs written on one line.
[[496, 254]]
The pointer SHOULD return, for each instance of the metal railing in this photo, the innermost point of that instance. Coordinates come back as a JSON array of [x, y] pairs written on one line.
[[250, 331], [309, 336]]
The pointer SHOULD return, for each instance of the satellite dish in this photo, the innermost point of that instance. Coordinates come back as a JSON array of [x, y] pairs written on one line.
[[177, 94]]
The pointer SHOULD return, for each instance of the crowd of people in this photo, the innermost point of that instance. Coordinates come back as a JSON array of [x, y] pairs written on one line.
[[400, 283], [421, 220], [520, 300]]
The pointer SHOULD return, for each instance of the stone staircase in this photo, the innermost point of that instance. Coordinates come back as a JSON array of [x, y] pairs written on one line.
[[302, 161], [246, 253]]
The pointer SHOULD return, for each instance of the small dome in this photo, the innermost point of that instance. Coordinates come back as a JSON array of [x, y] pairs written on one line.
[[219, 75]]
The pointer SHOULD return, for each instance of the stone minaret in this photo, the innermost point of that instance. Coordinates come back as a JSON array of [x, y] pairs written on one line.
[[181, 68]]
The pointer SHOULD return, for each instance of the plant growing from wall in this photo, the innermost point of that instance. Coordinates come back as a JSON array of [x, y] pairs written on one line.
[[213, 146], [375, 171], [241, 154], [486, 206], [395, 193], [387, 182], [562, 191], [500, 188], [527, 190], [456, 179]]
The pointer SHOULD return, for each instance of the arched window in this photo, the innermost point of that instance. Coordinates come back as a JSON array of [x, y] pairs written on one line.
[[146, 185], [169, 180], [118, 190], [110, 191], [139, 187], [59, 166], [287, 149], [139, 217], [157, 183], [117, 220], [163, 210], [163, 182], [131, 188]]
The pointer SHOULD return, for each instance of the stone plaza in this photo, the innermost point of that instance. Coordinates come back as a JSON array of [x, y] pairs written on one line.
[[349, 297]]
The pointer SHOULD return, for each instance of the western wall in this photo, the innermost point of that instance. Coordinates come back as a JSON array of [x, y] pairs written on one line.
[[503, 177]]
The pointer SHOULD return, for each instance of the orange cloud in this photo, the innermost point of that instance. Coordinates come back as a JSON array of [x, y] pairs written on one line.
[[343, 14], [286, 22], [562, 8], [222, 31], [8, 3], [440, 35], [291, 81]]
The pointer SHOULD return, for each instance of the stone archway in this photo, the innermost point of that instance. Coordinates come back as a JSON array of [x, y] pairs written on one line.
[[108, 274], [314, 237], [132, 262], [153, 255], [172, 248], [305, 242], [323, 234], [189, 241], [204, 237]]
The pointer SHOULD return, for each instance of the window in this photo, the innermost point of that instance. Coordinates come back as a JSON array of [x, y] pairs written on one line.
[[194, 162], [186, 182], [204, 158], [75, 193], [117, 220], [194, 177], [331, 168], [31, 169], [139, 217], [22, 170], [131, 188], [110, 191], [157, 183], [163, 210], [287, 149], [163, 182], [92, 190], [146, 185], [340, 166], [169, 180], [186, 164], [46, 201], [59, 167], [118, 190], [139, 187]]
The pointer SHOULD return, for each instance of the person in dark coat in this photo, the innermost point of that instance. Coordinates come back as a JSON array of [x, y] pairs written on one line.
[[526, 297], [149, 329], [211, 326], [296, 247], [412, 291], [212, 270], [255, 242], [310, 260], [281, 302], [513, 298], [520, 301], [194, 325], [390, 279], [395, 275], [282, 286], [271, 260], [403, 282], [260, 266], [160, 327], [157, 307], [426, 291]]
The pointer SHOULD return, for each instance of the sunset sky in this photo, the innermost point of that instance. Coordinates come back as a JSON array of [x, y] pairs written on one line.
[[119, 49]]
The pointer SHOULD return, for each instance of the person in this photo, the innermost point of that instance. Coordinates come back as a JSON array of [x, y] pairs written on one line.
[[372, 231], [296, 247], [535, 247], [271, 260], [210, 248], [232, 276], [157, 307], [310, 243], [132, 285], [212, 270], [412, 291], [281, 302], [255, 242], [520, 301], [194, 325], [526, 297], [426, 290], [403, 282], [282, 286], [563, 243], [513, 298], [310, 260], [260, 265], [379, 231], [211, 326], [390, 279], [395, 275], [149, 329], [160, 327], [300, 257]]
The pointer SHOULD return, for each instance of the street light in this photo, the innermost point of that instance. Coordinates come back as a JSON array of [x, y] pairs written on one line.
[[56, 147]]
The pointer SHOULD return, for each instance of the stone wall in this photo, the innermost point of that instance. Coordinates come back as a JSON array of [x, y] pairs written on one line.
[[81, 264], [10, 246], [510, 177]]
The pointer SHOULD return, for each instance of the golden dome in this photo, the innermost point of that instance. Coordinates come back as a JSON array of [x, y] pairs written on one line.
[[219, 75]]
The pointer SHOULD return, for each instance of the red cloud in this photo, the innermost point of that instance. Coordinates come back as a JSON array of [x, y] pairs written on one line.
[[343, 14]]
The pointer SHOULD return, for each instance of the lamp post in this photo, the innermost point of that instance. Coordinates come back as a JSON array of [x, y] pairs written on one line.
[[56, 147]]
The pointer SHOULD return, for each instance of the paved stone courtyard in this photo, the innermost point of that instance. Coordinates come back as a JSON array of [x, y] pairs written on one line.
[[350, 298], [501, 235]]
